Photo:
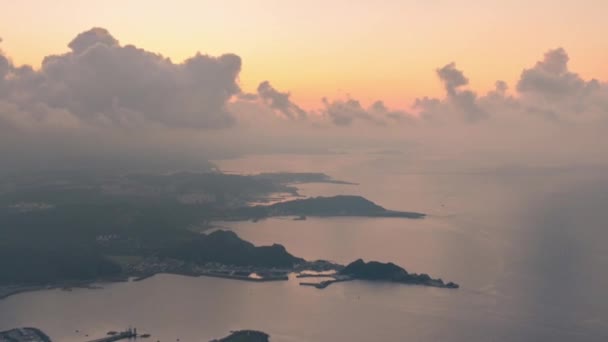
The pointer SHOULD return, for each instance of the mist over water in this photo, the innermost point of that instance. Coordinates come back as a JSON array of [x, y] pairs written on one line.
[[526, 244]]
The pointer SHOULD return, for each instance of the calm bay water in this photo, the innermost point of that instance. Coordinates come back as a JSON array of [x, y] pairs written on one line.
[[527, 246]]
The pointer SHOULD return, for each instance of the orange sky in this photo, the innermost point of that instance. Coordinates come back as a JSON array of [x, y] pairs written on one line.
[[369, 49]]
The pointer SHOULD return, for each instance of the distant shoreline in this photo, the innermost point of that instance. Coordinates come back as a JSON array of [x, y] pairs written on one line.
[[12, 290], [16, 290], [133, 277]]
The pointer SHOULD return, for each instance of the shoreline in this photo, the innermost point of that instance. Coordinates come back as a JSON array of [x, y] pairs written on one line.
[[284, 277], [256, 275], [13, 290]]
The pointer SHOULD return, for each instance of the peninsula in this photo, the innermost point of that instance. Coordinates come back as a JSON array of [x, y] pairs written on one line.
[[377, 271], [335, 206]]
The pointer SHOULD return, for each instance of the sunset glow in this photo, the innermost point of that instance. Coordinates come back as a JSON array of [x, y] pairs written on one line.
[[370, 50]]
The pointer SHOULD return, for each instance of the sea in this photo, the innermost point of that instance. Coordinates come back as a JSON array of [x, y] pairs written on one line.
[[528, 245]]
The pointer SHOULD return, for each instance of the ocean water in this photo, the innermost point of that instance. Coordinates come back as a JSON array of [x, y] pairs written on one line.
[[526, 244]]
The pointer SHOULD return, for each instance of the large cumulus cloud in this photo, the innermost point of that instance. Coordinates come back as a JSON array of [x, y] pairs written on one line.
[[103, 83], [550, 87], [103, 101]]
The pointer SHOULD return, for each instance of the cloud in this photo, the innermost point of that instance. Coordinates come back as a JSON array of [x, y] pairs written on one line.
[[452, 78], [547, 90], [550, 77], [346, 112], [4, 69], [280, 101], [103, 103], [550, 87], [463, 101], [342, 113], [92, 37], [4, 65], [103, 99], [459, 103], [501, 88], [379, 110], [103, 83], [247, 96]]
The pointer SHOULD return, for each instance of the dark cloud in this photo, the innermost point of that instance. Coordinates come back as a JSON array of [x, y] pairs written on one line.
[[279, 101]]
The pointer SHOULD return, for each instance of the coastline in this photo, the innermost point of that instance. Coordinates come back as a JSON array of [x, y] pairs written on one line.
[[282, 277], [151, 267], [12, 290], [94, 284]]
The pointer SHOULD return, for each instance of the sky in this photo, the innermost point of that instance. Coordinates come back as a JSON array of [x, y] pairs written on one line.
[[313, 49], [149, 83]]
